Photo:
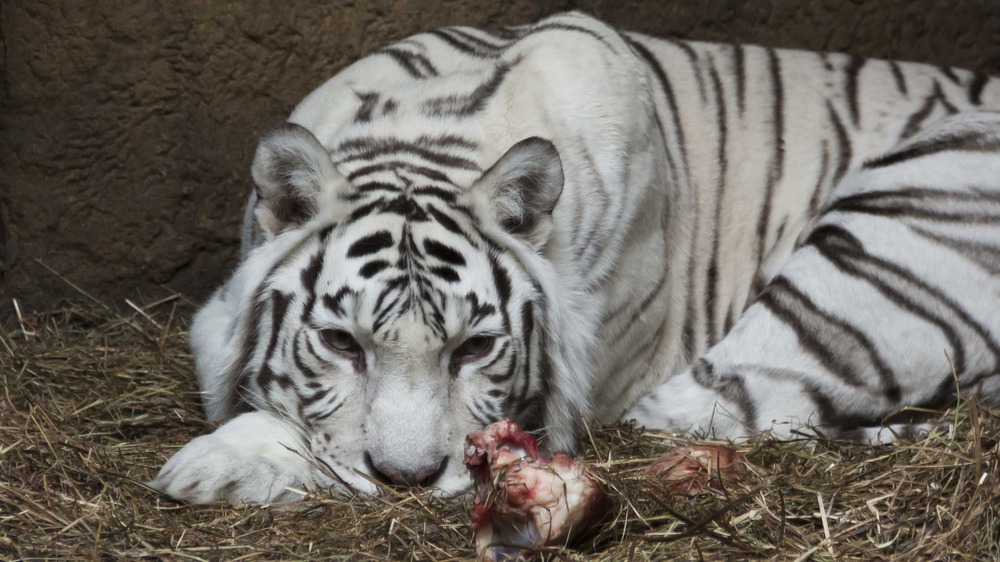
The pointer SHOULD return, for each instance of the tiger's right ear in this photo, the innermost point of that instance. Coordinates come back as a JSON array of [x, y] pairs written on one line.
[[291, 170], [524, 186]]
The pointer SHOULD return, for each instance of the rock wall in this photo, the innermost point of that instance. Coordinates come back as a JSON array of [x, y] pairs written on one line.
[[127, 128]]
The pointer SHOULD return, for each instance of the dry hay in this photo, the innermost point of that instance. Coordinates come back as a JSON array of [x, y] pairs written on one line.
[[93, 402]]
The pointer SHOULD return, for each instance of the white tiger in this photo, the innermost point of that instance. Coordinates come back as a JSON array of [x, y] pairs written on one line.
[[563, 222]]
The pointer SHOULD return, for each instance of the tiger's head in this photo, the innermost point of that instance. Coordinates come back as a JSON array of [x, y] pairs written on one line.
[[386, 311]]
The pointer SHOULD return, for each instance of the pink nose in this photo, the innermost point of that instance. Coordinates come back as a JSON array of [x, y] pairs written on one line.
[[388, 473]]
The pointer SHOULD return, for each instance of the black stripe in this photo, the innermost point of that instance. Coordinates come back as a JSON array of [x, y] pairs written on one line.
[[482, 45], [478, 311], [311, 272], [897, 75], [481, 417], [371, 244], [501, 281], [398, 304], [367, 149], [373, 268], [316, 417], [976, 88], [530, 354], [308, 400], [844, 251], [583, 240], [841, 348], [399, 166], [640, 309], [444, 220], [712, 276], [333, 302], [504, 33], [466, 48], [416, 64], [965, 141], [573, 28], [917, 119], [405, 207], [236, 400], [446, 195], [472, 102], [695, 63], [364, 210], [842, 423], [688, 337], [668, 91], [511, 369], [308, 277], [402, 59], [740, 70], [778, 96], [300, 364], [365, 143], [644, 53], [730, 386], [974, 206], [279, 309], [949, 73], [844, 151], [778, 159], [496, 358], [816, 200], [984, 254], [854, 65], [446, 273], [369, 187], [443, 252], [388, 288], [369, 100], [931, 293]]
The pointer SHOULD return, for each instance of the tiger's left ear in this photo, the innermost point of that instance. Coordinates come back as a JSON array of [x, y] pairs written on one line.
[[291, 174], [524, 187]]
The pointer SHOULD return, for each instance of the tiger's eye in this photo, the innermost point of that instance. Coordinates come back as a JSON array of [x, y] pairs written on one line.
[[340, 341], [475, 346]]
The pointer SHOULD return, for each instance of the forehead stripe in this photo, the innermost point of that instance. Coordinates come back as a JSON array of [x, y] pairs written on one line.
[[446, 273], [372, 268], [371, 244], [443, 252]]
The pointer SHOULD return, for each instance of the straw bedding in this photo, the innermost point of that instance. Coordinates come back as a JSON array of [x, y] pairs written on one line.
[[92, 402]]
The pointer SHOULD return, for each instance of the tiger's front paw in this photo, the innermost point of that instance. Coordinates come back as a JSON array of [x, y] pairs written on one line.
[[251, 458]]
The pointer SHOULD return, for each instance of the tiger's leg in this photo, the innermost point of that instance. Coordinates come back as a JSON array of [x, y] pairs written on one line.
[[891, 300], [254, 457]]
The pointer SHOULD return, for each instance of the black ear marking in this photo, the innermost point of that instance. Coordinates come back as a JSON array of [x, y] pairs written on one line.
[[524, 185], [290, 170]]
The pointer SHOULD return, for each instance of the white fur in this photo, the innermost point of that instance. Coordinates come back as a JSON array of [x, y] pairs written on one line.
[[654, 185], [251, 458]]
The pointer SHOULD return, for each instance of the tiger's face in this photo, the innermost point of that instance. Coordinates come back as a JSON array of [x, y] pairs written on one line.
[[407, 315]]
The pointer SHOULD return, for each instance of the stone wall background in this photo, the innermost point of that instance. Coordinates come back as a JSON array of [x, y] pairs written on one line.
[[127, 128]]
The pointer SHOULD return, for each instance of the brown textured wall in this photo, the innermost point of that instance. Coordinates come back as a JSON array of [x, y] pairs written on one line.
[[127, 128]]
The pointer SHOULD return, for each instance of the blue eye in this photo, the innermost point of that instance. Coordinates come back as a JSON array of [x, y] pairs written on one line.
[[340, 341], [475, 346]]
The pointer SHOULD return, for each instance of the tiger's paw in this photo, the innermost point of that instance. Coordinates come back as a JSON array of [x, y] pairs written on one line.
[[249, 459]]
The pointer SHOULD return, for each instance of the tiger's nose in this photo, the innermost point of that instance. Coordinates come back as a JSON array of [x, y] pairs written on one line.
[[388, 473]]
